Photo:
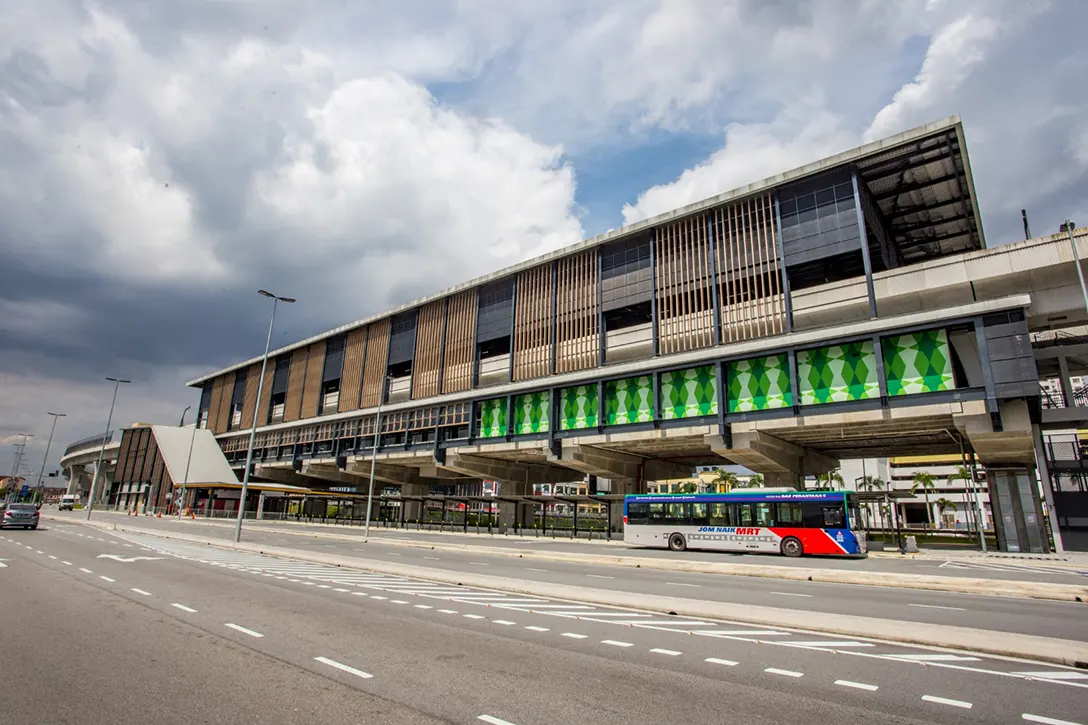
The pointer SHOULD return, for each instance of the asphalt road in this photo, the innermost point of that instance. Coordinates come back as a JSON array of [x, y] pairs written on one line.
[[119, 628], [1064, 620]]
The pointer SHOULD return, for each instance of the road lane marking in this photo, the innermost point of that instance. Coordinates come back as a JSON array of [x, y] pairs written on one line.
[[504, 622], [423, 606], [494, 720], [52, 557], [831, 644], [66, 563], [669, 652], [616, 643], [397, 601], [1047, 720], [243, 630], [86, 571], [857, 685], [38, 551], [183, 608], [534, 628], [107, 579], [681, 584], [478, 563], [936, 606], [716, 661], [946, 701], [1055, 675], [340, 589], [448, 611], [574, 635], [934, 658], [784, 673], [791, 594], [473, 616], [599, 576], [344, 668], [323, 586], [141, 592], [529, 568], [361, 594], [375, 596], [431, 558], [741, 633]]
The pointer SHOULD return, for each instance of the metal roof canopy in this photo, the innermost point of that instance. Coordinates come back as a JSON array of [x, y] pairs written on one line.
[[921, 180]]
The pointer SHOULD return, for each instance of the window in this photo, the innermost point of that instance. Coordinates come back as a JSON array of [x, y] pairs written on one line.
[[789, 514], [764, 514], [699, 514], [677, 514], [744, 514], [834, 517], [236, 415], [638, 513], [657, 513], [722, 514]]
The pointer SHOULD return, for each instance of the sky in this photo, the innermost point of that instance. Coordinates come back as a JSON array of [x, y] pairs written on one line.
[[160, 161]]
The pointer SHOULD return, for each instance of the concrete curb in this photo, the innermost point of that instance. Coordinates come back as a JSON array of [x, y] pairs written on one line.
[[1047, 591], [1003, 644]]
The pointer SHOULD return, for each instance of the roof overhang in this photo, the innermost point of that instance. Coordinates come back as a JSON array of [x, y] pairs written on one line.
[[921, 176]]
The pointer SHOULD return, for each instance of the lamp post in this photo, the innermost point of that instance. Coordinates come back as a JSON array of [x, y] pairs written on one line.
[[41, 473], [253, 431], [187, 409], [117, 382], [374, 456], [20, 448], [1076, 261]]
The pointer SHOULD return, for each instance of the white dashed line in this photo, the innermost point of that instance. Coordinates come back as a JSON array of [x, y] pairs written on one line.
[[86, 571], [946, 701], [669, 652], [448, 611], [375, 596], [791, 594], [681, 584], [431, 558], [66, 563], [504, 622], [574, 635], [529, 568], [106, 578], [934, 658], [599, 576], [935, 606], [856, 685], [141, 592], [833, 645], [183, 608], [52, 557], [473, 616], [616, 643], [243, 630], [38, 551], [534, 628], [716, 661], [397, 601], [478, 563], [1046, 720], [424, 606], [784, 673], [360, 594], [494, 720], [343, 667], [340, 589], [323, 586]]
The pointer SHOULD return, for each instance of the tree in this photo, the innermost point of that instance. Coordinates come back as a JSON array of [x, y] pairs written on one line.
[[689, 487], [871, 483], [963, 473], [831, 479], [756, 481], [944, 504], [725, 479], [923, 481]]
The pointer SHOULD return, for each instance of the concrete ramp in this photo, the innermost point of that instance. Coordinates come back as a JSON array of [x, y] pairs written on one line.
[[207, 464]]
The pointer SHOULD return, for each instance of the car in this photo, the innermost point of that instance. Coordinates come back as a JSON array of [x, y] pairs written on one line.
[[16, 515], [68, 503]]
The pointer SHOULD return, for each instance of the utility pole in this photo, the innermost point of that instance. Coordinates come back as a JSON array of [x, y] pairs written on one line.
[[38, 491], [19, 450]]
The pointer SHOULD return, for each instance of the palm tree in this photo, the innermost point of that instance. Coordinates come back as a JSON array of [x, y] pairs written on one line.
[[831, 479], [689, 487], [963, 473], [871, 483], [923, 481], [725, 479], [944, 504], [756, 481]]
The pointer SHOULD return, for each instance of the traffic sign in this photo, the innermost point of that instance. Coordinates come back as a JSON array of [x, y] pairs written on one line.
[[24, 490]]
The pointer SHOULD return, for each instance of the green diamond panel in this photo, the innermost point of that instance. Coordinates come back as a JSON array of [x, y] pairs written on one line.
[[838, 373], [630, 400], [762, 383], [492, 418], [918, 363], [532, 413], [578, 407], [689, 393]]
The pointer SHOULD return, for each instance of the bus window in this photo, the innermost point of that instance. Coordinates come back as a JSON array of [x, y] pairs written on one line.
[[657, 513], [789, 514], [764, 514], [698, 514], [677, 513], [744, 514], [834, 517], [722, 514], [638, 513]]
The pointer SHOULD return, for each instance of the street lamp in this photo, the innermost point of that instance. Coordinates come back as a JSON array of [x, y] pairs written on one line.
[[253, 431], [47, 445], [187, 409], [374, 454], [117, 382], [20, 449], [185, 481]]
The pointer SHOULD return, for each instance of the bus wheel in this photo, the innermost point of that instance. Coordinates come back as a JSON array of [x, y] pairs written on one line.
[[791, 546], [677, 542]]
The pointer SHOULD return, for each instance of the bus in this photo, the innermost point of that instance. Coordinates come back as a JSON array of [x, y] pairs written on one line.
[[782, 521]]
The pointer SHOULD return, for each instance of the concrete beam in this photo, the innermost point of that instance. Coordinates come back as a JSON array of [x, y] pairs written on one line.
[[1014, 444], [773, 457], [282, 475], [506, 471], [615, 465], [385, 473], [332, 474]]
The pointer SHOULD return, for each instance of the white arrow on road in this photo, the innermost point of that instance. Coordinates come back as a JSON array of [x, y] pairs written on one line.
[[125, 560]]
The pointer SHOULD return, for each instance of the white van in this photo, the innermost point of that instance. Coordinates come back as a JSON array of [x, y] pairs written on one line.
[[68, 502]]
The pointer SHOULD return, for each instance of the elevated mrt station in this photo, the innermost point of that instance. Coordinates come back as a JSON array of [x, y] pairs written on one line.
[[846, 308]]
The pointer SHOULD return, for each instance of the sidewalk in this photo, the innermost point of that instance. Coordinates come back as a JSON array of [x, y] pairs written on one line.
[[1044, 649], [621, 556]]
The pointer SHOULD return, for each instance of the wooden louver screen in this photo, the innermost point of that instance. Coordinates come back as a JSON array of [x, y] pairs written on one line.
[[149, 454], [226, 390], [377, 353], [577, 313], [266, 393], [533, 324], [311, 388], [460, 341], [293, 399], [249, 402], [428, 349], [685, 309], [753, 304], [351, 380]]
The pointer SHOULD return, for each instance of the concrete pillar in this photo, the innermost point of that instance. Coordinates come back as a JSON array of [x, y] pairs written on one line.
[[413, 510], [1048, 492], [1067, 385], [260, 507]]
